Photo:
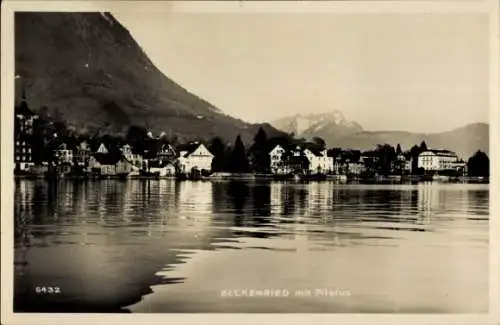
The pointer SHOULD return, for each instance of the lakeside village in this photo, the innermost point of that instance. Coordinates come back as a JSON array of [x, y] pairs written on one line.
[[51, 150]]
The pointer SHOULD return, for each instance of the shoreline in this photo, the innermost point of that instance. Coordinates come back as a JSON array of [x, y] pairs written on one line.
[[392, 179]]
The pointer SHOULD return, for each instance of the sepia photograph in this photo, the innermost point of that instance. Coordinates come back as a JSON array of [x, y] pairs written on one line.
[[175, 158]]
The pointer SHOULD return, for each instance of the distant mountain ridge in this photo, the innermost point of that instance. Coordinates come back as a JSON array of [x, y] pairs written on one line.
[[329, 123], [338, 132], [88, 69]]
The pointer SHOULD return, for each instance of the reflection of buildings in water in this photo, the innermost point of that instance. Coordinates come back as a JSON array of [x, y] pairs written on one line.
[[406, 204], [452, 199], [166, 192], [319, 199], [276, 189], [168, 199], [23, 213], [428, 201], [80, 196], [283, 200], [445, 200], [195, 197]]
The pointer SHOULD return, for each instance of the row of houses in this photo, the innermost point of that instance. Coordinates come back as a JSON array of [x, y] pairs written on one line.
[[303, 159], [108, 161], [195, 156], [167, 160]]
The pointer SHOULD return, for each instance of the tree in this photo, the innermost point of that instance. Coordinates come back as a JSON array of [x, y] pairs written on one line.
[[479, 165], [38, 140], [386, 156], [218, 149], [136, 137], [260, 157], [239, 160], [414, 153], [320, 143], [398, 149], [261, 137], [334, 152], [423, 147]]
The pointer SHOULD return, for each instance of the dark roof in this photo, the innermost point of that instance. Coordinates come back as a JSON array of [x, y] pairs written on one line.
[[23, 109], [315, 149], [107, 159], [189, 147], [293, 147], [441, 151], [56, 142]]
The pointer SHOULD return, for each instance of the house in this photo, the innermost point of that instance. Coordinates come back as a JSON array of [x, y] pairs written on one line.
[[408, 165], [299, 159], [295, 160], [102, 149], [166, 153], [194, 156], [132, 157], [438, 160], [63, 154], [23, 154], [355, 168], [162, 169], [23, 132], [82, 154], [338, 166], [276, 160], [400, 164], [102, 164], [319, 162]]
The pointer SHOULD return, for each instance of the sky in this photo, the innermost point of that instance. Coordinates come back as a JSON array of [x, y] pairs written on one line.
[[387, 71]]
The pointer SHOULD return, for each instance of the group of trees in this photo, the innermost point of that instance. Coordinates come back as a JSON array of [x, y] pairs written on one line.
[[479, 165], [229, 159]]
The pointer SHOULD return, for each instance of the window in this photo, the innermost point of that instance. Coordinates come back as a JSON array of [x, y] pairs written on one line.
[[17, 158]]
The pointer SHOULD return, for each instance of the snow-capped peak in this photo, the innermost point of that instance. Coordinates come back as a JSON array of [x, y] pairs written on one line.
[[314, 122]]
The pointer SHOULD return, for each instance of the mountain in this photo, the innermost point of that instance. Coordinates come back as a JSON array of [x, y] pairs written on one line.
[[330, 125], [465, 141], [87, 69], [338, 132]]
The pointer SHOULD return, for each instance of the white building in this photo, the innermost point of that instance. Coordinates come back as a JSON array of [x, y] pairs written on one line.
[[319, 162], [195, 156], [355, 168], [102, 149], [63, 154], [276, 160], [438, 160], [135, 159]]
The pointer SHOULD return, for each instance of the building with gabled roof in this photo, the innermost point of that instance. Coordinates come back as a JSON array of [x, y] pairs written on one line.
[[193, 156]]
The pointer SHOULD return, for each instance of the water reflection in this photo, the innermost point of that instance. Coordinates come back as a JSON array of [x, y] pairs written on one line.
[[106, 241]]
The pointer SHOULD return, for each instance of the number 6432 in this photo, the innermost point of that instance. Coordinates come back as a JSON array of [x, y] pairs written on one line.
[[47, 289]]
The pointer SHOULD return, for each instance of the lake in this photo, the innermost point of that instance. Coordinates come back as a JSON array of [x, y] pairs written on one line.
[[166, 246]]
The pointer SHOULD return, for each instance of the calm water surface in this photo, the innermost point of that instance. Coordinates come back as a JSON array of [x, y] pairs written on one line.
[[167, 246]]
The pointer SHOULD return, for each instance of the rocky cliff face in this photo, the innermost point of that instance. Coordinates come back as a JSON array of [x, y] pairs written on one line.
[[88, 69]]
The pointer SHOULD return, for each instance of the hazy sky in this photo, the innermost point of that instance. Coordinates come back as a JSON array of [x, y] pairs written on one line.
[[415, 72]]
